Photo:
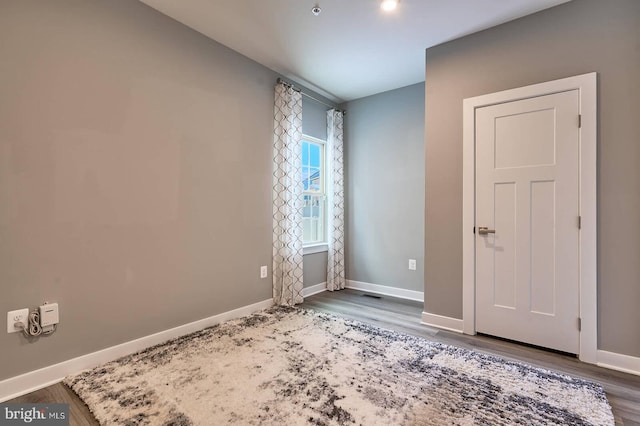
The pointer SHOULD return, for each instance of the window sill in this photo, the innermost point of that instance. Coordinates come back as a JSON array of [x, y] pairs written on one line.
[[318, 248]]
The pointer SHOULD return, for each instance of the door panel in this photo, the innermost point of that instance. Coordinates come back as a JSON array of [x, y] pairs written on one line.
[[543, 247], [535, 145], [527, 286], [504, 291]]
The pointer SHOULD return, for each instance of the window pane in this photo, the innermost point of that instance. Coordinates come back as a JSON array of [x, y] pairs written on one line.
[[314, 155], [306, 206], [314, 179], [305, 153], [314, 204], [313, 219], [305, 178]]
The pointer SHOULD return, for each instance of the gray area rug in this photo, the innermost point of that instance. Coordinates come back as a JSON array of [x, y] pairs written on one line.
[[288, 366]]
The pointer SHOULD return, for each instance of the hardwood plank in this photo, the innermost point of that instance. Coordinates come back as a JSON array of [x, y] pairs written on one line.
[[79, 413]]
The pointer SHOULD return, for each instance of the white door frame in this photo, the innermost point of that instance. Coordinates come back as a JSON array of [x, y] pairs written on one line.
[[586, 84]]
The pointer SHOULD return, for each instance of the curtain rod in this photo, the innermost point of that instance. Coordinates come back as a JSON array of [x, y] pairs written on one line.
[[297, 89]]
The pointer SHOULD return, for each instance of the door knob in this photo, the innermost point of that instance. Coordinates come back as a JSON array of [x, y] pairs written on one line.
[[483, 230]]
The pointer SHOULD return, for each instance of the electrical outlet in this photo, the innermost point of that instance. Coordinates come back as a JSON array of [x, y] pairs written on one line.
[[263, 271], [20, 315], [412, 264]]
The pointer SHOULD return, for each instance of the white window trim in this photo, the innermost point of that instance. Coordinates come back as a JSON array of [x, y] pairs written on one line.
[[315, 248], [318, 246]]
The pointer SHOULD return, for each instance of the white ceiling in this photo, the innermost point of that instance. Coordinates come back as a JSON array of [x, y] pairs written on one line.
[[352, 49]]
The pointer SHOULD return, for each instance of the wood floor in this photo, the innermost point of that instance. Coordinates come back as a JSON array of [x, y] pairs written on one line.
[[79, 414], [623, 390]]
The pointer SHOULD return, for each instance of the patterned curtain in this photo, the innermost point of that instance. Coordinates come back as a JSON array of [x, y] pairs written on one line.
[[287, 196], [335, 217]]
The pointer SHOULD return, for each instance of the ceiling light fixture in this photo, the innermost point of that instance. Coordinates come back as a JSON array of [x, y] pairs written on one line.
[[389, 5], [316, 10]]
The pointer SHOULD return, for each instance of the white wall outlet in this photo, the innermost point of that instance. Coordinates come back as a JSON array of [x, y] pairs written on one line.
[[412, 264], [20, 315], [263, 271]]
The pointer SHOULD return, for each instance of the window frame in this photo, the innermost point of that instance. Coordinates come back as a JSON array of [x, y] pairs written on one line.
[[318, 246]]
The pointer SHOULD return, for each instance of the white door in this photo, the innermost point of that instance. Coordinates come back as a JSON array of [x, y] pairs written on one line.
[[527, 271]]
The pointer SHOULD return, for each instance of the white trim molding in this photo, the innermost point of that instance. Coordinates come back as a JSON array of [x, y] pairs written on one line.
[[586, 84], [314, 289], [440, 321], [38, 379], [386, 290], [318, 248], [619, 362]]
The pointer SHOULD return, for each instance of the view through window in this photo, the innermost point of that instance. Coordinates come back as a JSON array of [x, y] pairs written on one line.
[[313, 177]]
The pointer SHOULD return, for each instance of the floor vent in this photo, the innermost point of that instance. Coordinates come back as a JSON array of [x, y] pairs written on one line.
[[373, 296]]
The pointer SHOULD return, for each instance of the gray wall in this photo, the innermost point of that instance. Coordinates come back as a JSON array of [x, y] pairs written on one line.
[[135, 175], [384, 150], [314, 118], [574, 38], [315, 268]]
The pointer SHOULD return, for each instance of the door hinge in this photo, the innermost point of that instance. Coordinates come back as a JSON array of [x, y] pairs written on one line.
[[579, 324], [579, 121], [579, 222]]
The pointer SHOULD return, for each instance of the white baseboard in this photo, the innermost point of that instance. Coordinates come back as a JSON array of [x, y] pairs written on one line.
[[439, 321], [38, 379], [619, 362], [386, 290], [314, 289]]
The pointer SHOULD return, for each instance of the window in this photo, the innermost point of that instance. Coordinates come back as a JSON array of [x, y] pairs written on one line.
[[313, 178]]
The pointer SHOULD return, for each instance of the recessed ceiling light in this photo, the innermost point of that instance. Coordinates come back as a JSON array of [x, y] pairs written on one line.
[[388, 5]]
